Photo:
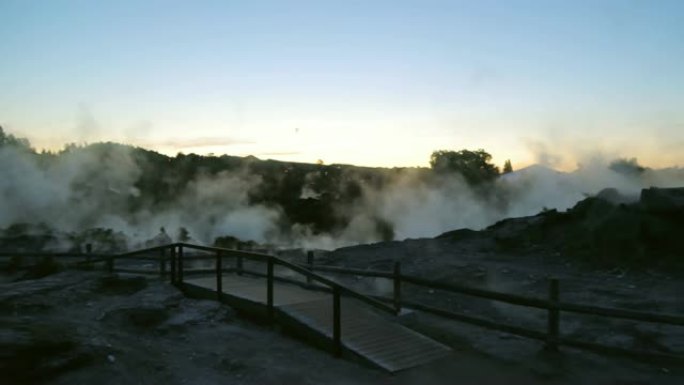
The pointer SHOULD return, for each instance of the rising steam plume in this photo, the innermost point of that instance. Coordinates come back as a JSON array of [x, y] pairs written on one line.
[[103, 186]]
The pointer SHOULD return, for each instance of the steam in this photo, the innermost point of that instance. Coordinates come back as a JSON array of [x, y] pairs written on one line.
[[213, 206], [46, 193], [95, 186], [417, 209]]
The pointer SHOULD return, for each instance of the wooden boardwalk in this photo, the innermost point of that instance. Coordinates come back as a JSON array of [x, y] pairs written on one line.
[[364, 332]]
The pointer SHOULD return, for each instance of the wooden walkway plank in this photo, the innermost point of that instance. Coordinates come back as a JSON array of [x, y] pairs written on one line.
[[367, 334], [254, 289]]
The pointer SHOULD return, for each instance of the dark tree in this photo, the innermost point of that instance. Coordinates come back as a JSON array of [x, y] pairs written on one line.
[[12, 141], [474, 166], [628, 167], [507, 168]]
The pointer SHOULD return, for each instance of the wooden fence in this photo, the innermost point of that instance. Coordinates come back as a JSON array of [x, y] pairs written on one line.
[[174, 258], [171, 260], [551, 304]]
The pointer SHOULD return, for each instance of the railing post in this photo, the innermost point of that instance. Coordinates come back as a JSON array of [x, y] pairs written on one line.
[[219, 275], [173, 265], [110, 264], [269, 290], [162, 263], [553, 317], [180, 264], [238, 262], [337, 322], [397, 287], [310, 262]]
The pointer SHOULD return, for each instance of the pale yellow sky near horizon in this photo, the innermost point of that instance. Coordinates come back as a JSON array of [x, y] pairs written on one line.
[[381, 83], [380, 148]]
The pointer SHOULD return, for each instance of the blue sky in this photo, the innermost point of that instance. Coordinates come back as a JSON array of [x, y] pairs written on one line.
[[366, 82]]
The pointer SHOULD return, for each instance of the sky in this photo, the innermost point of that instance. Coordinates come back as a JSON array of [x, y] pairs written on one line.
[[376, 83]]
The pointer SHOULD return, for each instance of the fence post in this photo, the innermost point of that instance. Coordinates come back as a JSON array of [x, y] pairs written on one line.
[[89, 250], [337, 324], [397, 287], [180, 264], [238, 262], [310, 262], [173, 265], [219, 275], [110, 264], [553, 317], [269, 290], [162, 263]]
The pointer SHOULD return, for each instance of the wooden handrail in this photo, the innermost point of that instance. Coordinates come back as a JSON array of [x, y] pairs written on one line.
[[147, 250], [482, 322], [662, 318], [127, 255], [47, 254], [561, 341], [293, 281], [296, 268], [308, 271], [516, 299], [343, 289], [105, 258], [544, 304], [351, 271], [228, 252], [503, 297]]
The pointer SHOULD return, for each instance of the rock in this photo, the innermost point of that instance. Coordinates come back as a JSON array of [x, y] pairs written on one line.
[[460, 234], [662, 199], [111, 358], [139, 318], [614, 196], [115, 285]]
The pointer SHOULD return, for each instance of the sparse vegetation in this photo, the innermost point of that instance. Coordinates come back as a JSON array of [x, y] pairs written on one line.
[[599, 232], [474, 166]]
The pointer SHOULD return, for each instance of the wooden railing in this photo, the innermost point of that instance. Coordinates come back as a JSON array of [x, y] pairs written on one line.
[[553, 306], [177, 253], [171, 259]]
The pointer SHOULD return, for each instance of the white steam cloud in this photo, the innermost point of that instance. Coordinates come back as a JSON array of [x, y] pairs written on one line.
[[89, 188]]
